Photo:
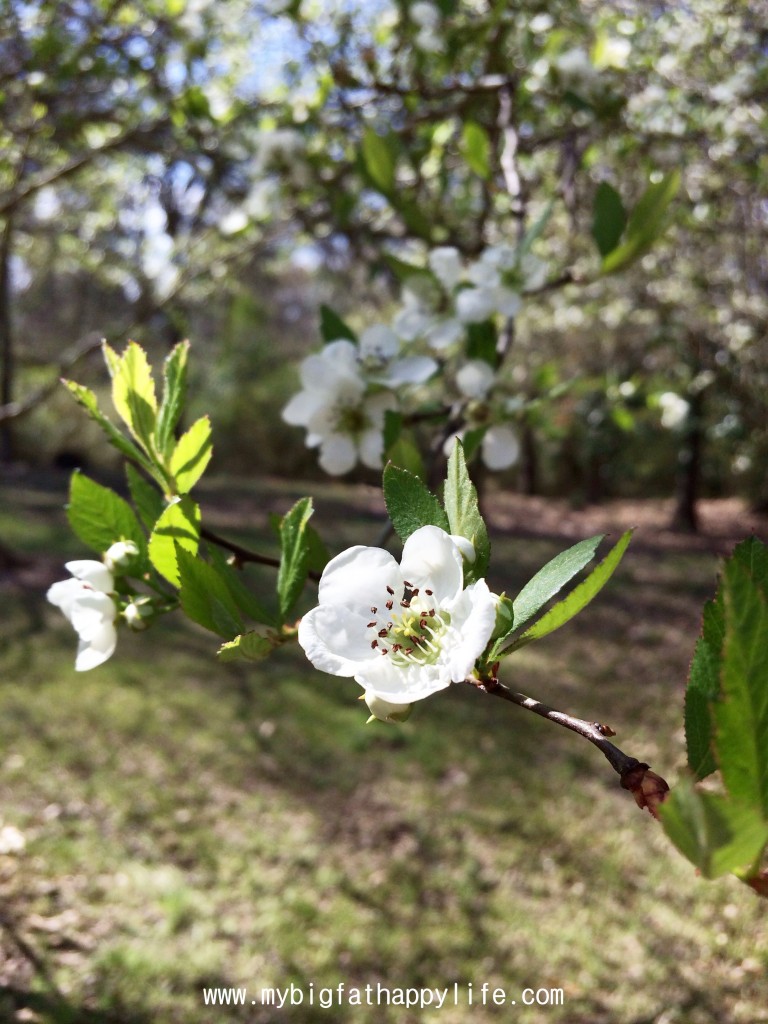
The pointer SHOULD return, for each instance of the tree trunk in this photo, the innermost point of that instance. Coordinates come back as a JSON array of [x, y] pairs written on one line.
[[7, 362], [686, 516], [530, 461]]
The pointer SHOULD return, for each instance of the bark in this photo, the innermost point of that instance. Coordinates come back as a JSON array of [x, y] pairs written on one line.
[[7, 360]]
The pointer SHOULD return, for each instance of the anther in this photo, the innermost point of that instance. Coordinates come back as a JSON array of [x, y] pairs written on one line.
[[371, 624], [382, 632], [409, 585], [390, 590], [374, 609], [375, 643], [384, 650], [428, 593], [389, 605]]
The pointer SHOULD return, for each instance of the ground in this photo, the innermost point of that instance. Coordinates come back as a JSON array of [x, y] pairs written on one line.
[[189, 824]]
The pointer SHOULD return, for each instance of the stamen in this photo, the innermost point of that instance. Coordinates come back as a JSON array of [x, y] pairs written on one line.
[[382, 632], [372, 624], [374, 609], [409, 585], [384, 650], [429, 594], [390, 591], [374, 644], [389, 606]]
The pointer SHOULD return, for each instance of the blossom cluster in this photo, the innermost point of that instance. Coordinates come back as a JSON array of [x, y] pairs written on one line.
[[348, 387]]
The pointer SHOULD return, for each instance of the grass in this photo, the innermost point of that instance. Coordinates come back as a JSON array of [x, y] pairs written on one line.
[[193, 824]]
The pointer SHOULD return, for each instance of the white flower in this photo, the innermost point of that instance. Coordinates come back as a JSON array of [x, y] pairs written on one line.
[[674, 409], [475, 379], [445, 264], [402, 631], [342, 418], [473, 305], [500, 448], [85, 601], [13, 841], [443, 333], [120, 555]]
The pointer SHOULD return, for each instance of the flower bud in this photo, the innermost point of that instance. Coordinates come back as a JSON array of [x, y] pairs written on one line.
[[138, 612], [384, 711], [465, 546], [504, 616], [648, 788], [120, 555]]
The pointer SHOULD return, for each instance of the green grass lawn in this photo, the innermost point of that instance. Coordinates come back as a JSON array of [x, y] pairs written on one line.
[[190, 824]]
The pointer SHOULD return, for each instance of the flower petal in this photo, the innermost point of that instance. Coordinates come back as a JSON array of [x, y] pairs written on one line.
[[411, 370], [92, 572], [335, 639], [97, 649], [500, 448], [337, 454], [473, 619], [358, 579], [431, 559]]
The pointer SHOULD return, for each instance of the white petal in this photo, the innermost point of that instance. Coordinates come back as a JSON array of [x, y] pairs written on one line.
[[95, 651], [89, 613], [465, 546], [358, 579], [337, 454], [412, 370], [444, 333], [92, 572], [431, 560], [303, 406], [473, 305], [475, 379], [379, 342], [335, 639], [445, 264], [377, 405], [371, 448], [500, 448], [507, 302], [473, 619], [402, 685], [64, 595]]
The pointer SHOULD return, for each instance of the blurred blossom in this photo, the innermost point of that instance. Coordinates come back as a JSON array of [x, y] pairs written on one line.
[[445, 264], [11, 839], [500, 448], [475, 379], [674, 409]]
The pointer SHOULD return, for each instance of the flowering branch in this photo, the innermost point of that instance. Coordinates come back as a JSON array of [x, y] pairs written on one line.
[[648, 788], [243, 555]]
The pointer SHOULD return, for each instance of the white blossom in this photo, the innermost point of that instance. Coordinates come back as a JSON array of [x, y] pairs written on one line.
[[500, 448], [674, 409], [120, 555], [475, 379], [86, 602], [445, 264], [378, 349], [403, 631]]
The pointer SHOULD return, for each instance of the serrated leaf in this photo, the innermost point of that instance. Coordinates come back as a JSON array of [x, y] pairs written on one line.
[[133, 391], [753, 555], [99, 517], [294, 557], [379, 158], [646, 223], [174, 394], [576, 601], [178, 525], [205, 596], [250, 646], [741, 713], [716, 834], [463, 511], [548, 581], [703, 688], [609, 218], [248, 604], [333, 328], [410, 503], [147, 499], [476, 148], [191, 455], [87, 399]]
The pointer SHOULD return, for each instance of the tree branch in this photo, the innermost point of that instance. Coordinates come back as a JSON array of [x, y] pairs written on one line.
[[244, 555], [648, 788]]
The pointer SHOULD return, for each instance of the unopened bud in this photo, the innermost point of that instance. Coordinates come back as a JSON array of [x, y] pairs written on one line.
[[138, 612], [120, 555], [648, 788], [385, 711], [465, 546]]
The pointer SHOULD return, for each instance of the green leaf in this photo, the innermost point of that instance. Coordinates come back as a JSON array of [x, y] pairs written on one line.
[[318, 555], [741, 713], [191, 455], [133, 391], [250, 646], [577, 600], [482, 342], [294, 558], [87, 399], [178, 525], [247, 603], [174, 394], [609, 218], [379, 157], [703, 688], [333, 328], [476, 148], [147, 499], [549, 580], [99, 517], [205, 596], [646, 223], [463, 512], [753, 555], [716, 834], [410, 504]]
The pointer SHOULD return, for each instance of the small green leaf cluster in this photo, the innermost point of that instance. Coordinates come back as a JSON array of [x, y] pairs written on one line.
[[726, 726]]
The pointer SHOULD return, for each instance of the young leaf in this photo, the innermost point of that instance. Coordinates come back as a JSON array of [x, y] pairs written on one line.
[[174, 394], [294, 559], [133, 391], [753, 555], [379, 158], [741, 713], [463, 512], [250, 646], [548, 581], [99, 517], [205, 596], [578, 598], [178, 525], [410, 504], [333, 328], [87, 399], [242, 595], [191, 455], [476, 148], [609, 218], [646, 223], [147, 499], [716, 834]]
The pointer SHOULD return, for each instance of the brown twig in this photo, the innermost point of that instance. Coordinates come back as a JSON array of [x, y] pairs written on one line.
[[243, 555], [648, 788]]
